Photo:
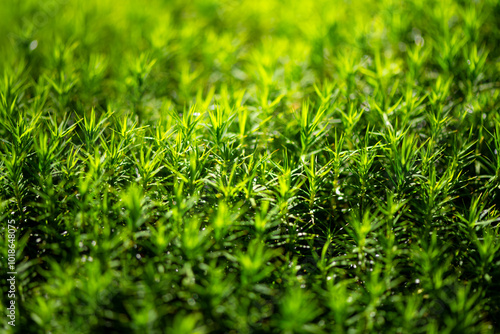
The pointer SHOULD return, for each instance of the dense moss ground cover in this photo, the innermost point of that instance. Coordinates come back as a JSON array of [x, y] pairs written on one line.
[[251, 166]]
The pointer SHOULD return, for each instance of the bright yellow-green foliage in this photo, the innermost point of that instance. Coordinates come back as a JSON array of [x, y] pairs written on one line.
[[250, 166]]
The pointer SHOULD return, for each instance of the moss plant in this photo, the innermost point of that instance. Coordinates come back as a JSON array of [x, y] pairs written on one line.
[[271, 166]]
